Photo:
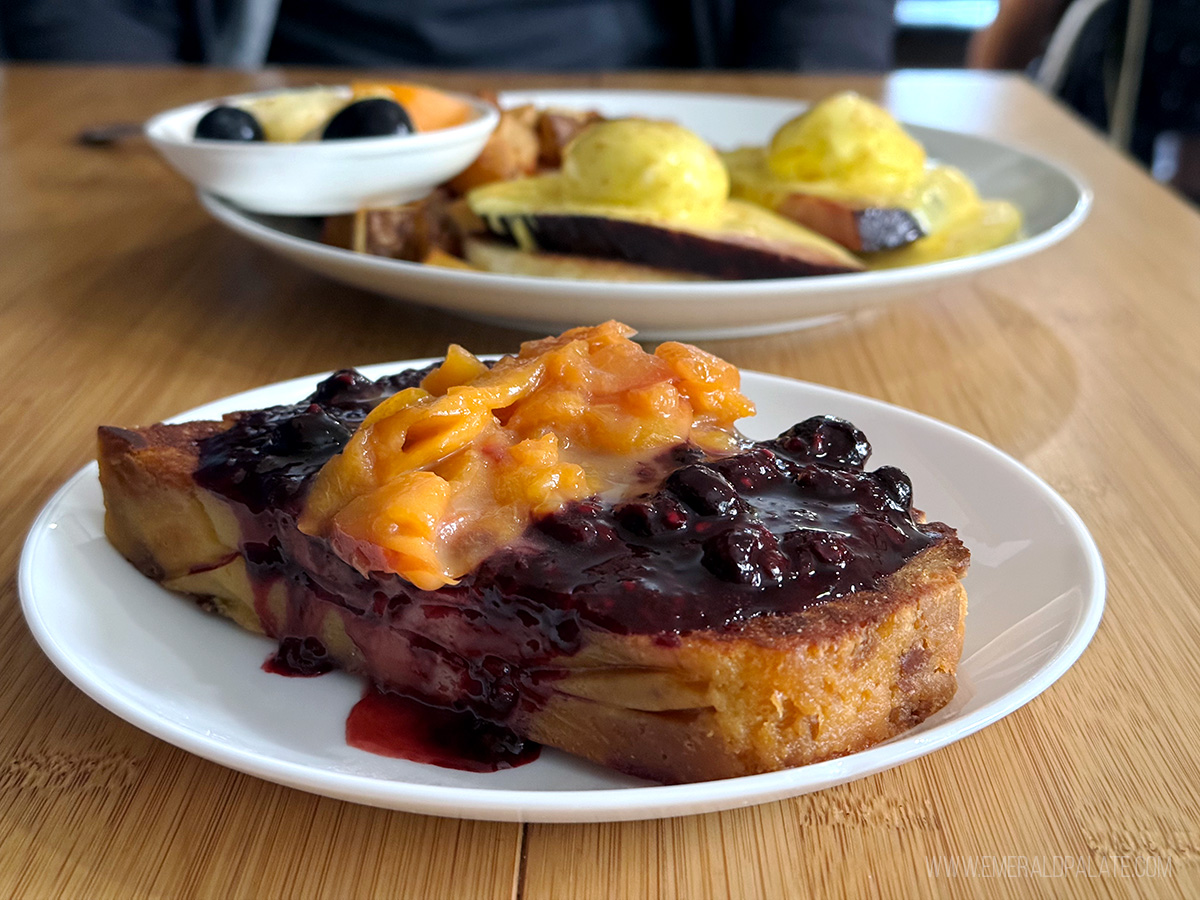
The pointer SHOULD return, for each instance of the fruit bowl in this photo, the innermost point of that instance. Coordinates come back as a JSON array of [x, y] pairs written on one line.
[[317, 178]]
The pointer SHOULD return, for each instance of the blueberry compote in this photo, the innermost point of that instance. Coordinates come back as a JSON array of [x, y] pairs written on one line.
[[266, 460], [781, 526], [299, 658], [716, 542], [405, 728]]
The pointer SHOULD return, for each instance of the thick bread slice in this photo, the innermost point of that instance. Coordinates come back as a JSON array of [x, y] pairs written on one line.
[[860, 224], [774, 692], [492, 255], [857, 226], [778, 693]]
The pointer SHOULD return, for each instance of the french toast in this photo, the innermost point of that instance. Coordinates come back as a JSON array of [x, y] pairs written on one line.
[[734, 608]]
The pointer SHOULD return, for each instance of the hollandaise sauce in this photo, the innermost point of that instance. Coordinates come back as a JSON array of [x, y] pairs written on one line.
[[852, 154]]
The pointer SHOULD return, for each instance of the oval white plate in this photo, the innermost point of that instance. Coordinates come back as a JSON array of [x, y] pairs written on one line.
[[310, 178], [1054, 203], [1036, 592]]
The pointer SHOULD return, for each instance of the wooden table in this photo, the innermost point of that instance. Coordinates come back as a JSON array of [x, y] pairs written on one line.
[[122, 303]]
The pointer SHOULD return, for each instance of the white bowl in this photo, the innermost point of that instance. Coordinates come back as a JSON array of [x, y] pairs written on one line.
[[318, 178]]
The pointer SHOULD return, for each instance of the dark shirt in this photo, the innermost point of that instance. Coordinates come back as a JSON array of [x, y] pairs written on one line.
[[1169, 90], [502, 34], [92, 30]]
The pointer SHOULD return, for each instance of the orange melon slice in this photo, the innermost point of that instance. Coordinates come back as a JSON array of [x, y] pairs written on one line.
[[429, 108]]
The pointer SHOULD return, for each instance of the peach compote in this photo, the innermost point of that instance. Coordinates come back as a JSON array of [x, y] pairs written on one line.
[[440, 476]]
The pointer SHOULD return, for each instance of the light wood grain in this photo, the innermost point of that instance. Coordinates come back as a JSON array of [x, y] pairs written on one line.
[[121, 302]]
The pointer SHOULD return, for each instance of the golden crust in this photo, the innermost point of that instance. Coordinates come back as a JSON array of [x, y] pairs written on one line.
[[774, 692], [778, 692]]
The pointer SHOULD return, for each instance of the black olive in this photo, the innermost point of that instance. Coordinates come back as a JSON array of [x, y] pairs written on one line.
[[373, 117], [228, 123]]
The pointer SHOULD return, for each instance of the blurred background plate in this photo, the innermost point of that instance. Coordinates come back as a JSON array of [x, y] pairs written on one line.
[[1053, 201]]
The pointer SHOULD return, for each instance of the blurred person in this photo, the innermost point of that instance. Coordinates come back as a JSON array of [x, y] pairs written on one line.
[[1017, 36], [1166, 119], [827, 35]]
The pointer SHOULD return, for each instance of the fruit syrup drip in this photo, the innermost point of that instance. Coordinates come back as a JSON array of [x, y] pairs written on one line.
[[778, 527]]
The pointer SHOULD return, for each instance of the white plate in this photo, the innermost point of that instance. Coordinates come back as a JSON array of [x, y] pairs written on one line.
[[1036, 592], [1053, 201]]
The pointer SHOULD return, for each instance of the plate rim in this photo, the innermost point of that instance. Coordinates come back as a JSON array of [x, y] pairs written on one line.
[[597, 804]]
